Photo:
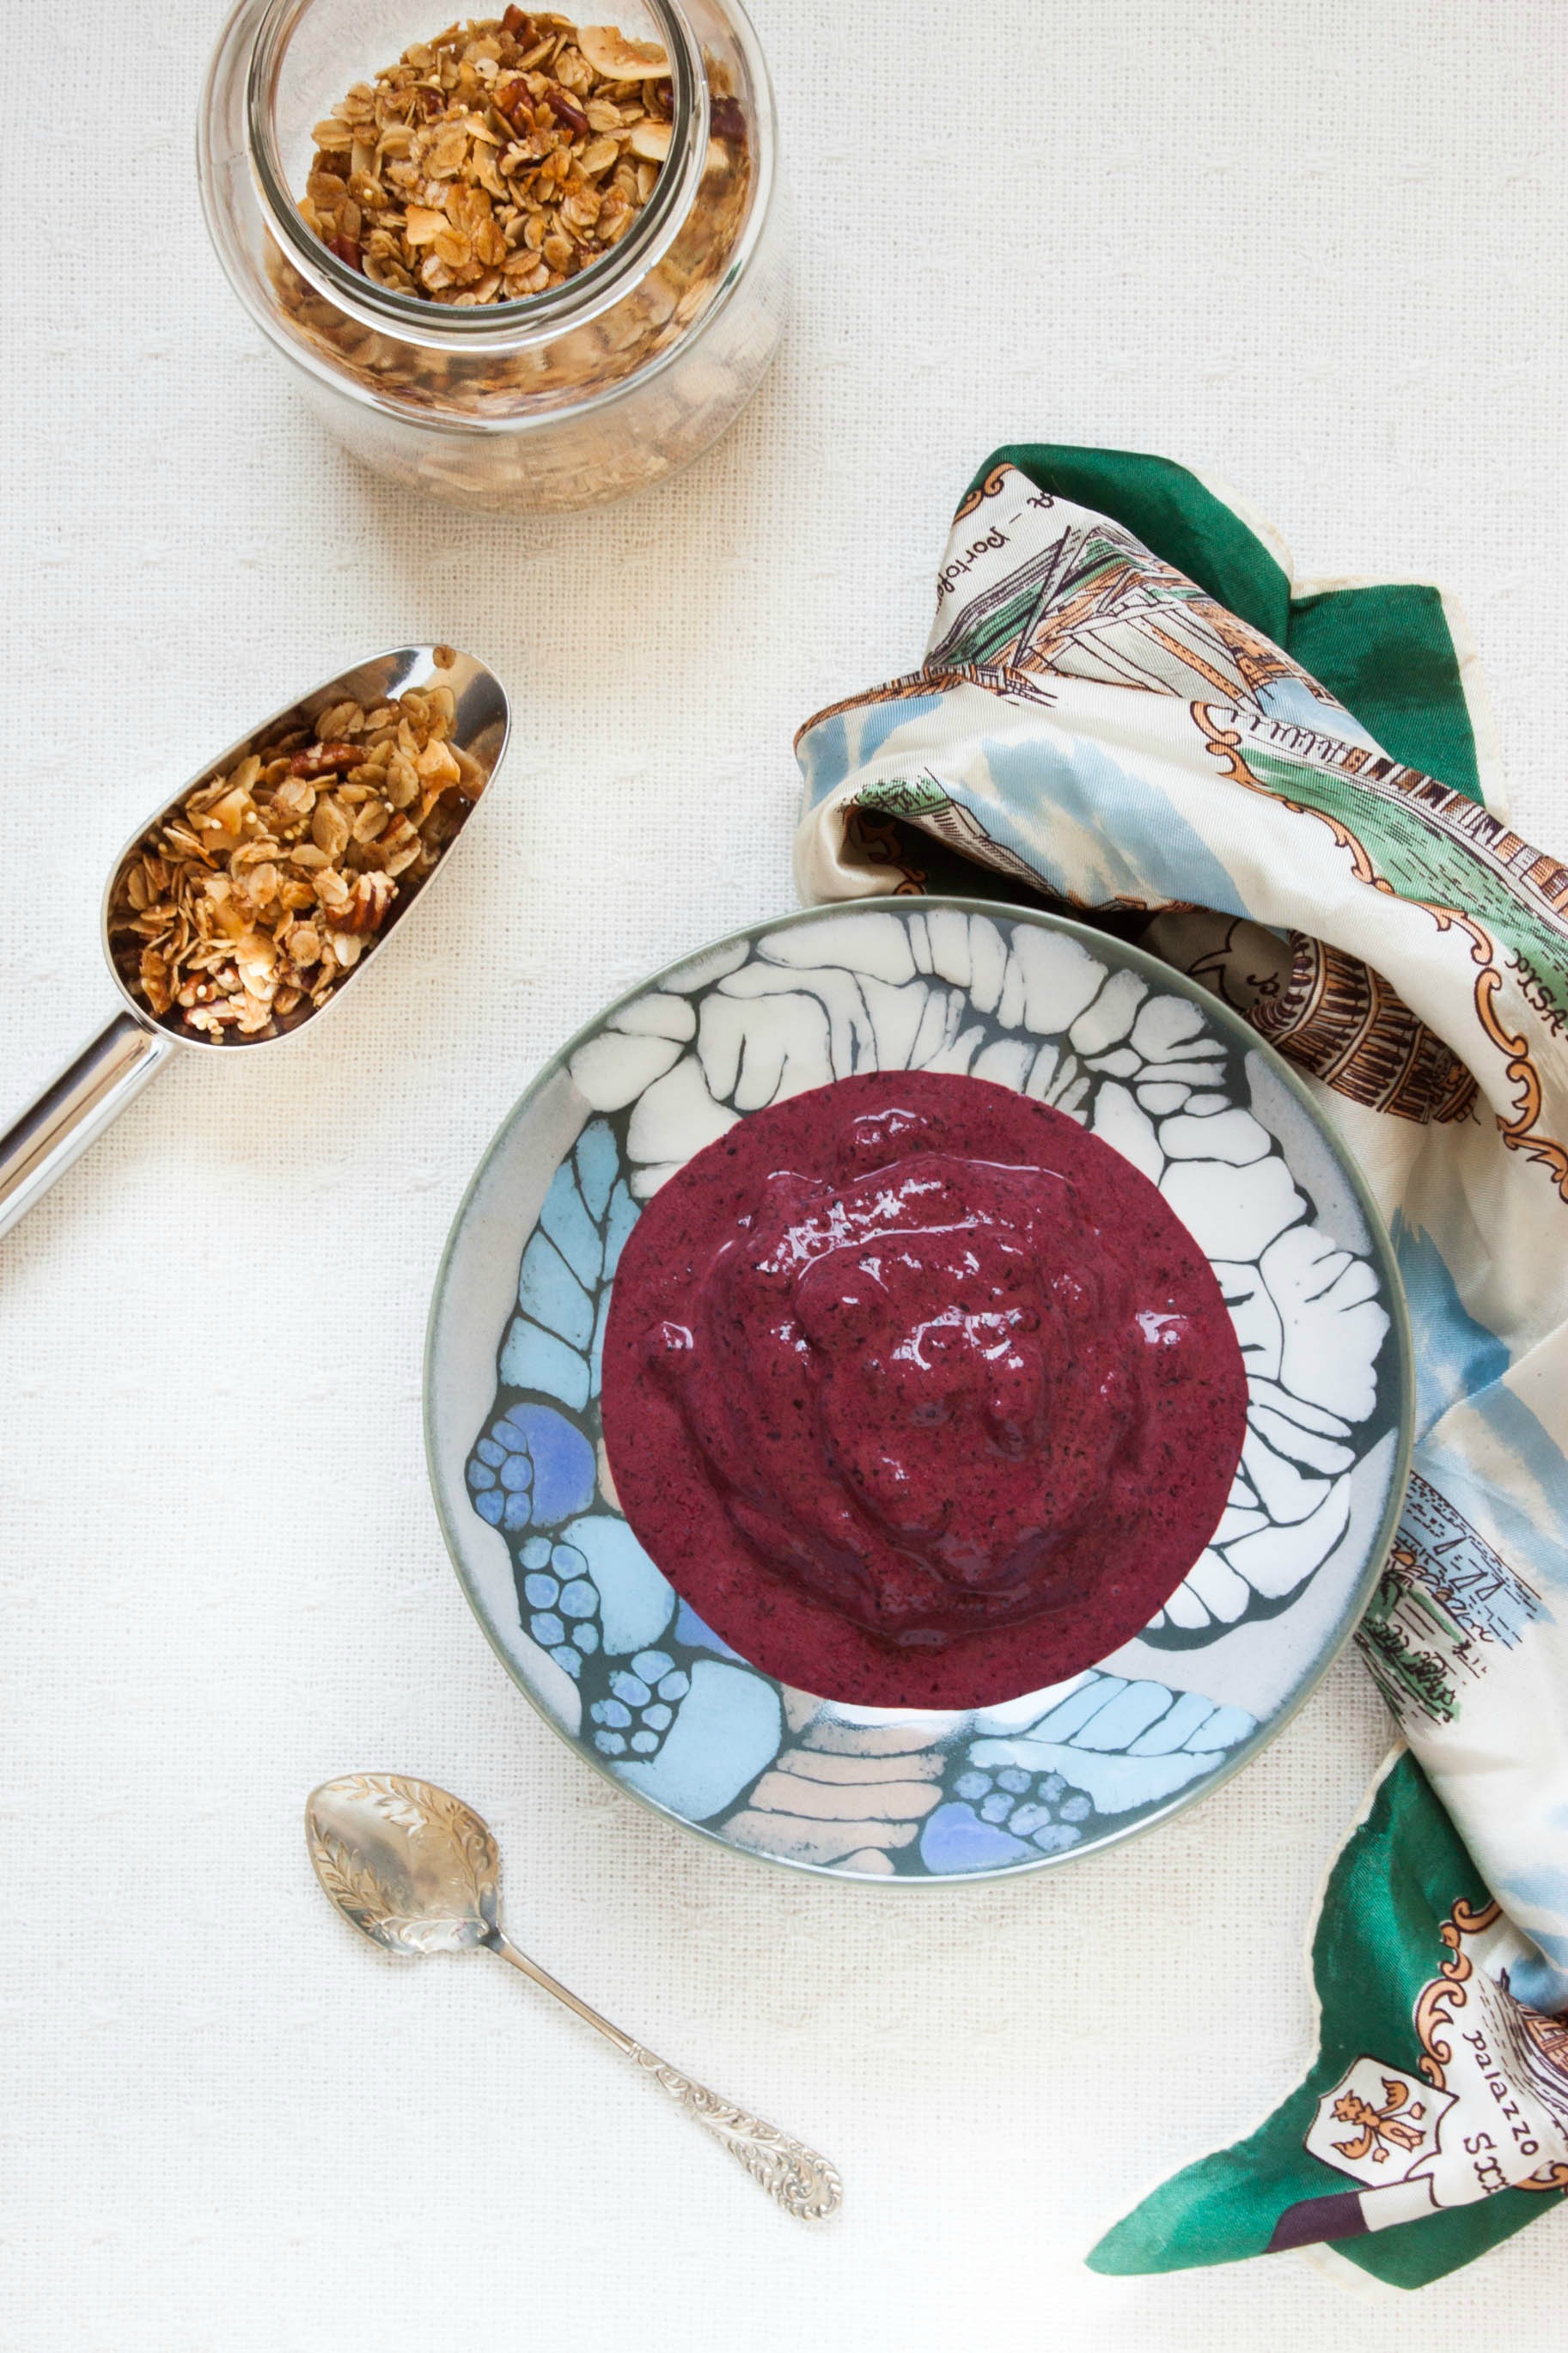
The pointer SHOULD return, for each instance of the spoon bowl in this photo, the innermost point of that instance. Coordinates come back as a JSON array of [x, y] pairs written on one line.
[[412, 1867]]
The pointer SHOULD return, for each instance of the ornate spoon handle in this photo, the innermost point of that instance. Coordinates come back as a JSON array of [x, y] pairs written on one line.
[[805, 2183]]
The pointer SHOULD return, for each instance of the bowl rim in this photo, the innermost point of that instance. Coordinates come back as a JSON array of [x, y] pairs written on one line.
[[1381, 1252]]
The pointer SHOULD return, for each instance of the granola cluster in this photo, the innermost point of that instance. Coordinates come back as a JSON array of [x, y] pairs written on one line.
[[248, 903], [494, 161]]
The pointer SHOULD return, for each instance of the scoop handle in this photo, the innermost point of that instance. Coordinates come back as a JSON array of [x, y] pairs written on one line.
[[75, 1108]]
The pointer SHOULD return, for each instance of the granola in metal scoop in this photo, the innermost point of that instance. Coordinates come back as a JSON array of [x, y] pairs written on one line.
[[494, 161], [242, 908]]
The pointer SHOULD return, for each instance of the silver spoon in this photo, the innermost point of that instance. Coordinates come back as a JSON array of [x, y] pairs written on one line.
[[417, 1871], [77, 1105]]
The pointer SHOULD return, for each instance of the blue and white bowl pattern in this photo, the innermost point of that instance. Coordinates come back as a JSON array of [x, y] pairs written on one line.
[[592, 1630]]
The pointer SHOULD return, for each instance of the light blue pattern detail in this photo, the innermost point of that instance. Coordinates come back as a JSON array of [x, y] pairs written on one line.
[[636, 1602], [1536, 1546], [598, 1163], [1172, 1730], [1457, 1357], [1111, 1748], [955, 1840], [1078, 1705], [1542, 1981], [1543, 1984], [1546, 1883], [533, 1358], [622, 1217], [549, 1292], [597, 1353], [563, 1464], [547, 1474], [824, 756], [555, 1343], [1142, 838], [1225, 1728], [1460, 1359], [1056, 1837], [589, 1602], [1042, 1808], [571, 1229], [1120, 1722], [828, 752], [619, 1220], [1116, 1784], [691, 1629], [1290, 698], [727, 1731]]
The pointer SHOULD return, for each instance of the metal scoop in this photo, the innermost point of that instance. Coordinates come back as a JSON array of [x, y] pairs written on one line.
[[79, 1104]]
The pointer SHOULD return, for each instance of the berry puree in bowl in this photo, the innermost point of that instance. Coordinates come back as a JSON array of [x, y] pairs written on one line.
[[919, 1393]]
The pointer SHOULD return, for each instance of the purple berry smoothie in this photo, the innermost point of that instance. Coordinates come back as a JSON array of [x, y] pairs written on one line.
[[919, 1393]]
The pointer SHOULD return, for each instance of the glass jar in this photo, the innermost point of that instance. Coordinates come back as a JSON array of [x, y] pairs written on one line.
[[564, 398]]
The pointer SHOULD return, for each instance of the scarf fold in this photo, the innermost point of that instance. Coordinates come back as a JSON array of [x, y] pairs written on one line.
[[1128, 709]]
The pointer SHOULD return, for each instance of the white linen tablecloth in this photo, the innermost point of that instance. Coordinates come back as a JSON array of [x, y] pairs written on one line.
[[1315, 250]]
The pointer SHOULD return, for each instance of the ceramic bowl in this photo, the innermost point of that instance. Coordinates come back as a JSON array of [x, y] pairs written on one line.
[[587, 1625]]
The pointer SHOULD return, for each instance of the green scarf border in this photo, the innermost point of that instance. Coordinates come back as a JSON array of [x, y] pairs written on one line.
[[1397, 654], [1375, 1943]]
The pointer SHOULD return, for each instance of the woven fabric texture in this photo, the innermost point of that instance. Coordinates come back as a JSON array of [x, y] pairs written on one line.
[[1316, 252]]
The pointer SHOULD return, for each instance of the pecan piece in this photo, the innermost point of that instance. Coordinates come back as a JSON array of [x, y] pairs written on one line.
[[324, 759], [372, 896], [566, 110], [511, 101]]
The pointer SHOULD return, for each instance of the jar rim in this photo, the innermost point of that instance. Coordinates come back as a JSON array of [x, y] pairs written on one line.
[[529, 319]]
